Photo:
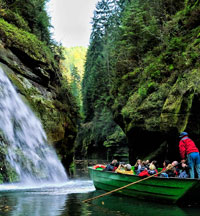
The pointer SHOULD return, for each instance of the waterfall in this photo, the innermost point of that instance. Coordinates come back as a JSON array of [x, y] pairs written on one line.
[[27, 149]]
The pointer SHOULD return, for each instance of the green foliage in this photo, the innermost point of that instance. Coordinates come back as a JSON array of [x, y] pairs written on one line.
[[14, 19], [31, 16], [176, 43], [7, 173], [33, 11], [27, 43], [153, 71], [142, 91], [74, 57], [98, 68], [73, 69], [117, 137], [67, 101], [147, 88], [100, 128], [171, 67], [133, 62], [101, 132]]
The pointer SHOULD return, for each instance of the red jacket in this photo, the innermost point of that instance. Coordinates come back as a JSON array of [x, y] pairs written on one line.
[[144, 173], [187, 146]]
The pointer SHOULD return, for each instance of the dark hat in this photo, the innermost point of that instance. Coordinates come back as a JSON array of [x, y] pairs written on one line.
[[182, 134], [167, 162]]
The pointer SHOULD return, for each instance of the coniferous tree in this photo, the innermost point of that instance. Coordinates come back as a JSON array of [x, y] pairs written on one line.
[[134, 48], [97, 79], [98, 63], [75, 84], [34, 12]]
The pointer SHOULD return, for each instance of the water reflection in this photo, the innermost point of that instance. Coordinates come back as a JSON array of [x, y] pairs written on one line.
[[52, 201], [130, 206], [31, 205], [125, 206], [67, 201]]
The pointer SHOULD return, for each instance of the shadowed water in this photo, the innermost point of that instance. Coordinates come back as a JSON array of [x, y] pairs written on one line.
[[67, 201]]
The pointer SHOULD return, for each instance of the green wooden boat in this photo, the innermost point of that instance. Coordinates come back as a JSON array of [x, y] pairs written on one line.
[[167, 190]]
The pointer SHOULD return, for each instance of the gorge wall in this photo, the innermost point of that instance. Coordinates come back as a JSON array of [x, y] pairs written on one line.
[[34, 70], [160, 83], [143, 66]]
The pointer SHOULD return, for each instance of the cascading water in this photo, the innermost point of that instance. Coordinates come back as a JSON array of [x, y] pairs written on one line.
[[27, 149]]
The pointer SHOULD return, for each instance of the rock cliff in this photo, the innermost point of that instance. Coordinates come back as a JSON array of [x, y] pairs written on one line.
[[161, 93], [34, 71]]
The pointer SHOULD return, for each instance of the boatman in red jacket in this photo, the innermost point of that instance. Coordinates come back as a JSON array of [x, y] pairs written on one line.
[[188, 149]]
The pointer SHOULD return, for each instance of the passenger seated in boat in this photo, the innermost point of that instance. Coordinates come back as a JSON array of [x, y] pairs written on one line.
[[184, 171], [150, 171], [124, 169], [146, 163], [172, 170], [176, 168], [152, 168], [139, 167], [112, 166], [144, 173], [165, 164]]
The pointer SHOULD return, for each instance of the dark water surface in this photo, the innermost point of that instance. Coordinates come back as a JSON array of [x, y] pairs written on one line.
[[67, 201]]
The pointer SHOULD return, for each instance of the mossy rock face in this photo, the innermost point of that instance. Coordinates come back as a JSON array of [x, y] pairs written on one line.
[[177, 107], [101, 139], [31, 67], [57, 120], [7, 173], [169, 110], [163, 99], [28, 48], [14, 18], [51, 112]]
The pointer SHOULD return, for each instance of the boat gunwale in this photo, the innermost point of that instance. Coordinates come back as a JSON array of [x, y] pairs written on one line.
[[154, 177], [133, 189], [190, 185]]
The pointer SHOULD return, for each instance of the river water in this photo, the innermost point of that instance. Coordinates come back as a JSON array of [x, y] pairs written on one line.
[[43, 188], [66, 200]]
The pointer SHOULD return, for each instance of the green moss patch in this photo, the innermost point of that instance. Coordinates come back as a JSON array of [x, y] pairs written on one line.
[[26, 43]]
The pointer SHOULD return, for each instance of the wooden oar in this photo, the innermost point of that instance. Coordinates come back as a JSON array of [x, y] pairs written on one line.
[[105, 194]]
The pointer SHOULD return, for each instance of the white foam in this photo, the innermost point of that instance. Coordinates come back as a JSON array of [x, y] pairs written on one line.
[[69, 187], [28, 151]]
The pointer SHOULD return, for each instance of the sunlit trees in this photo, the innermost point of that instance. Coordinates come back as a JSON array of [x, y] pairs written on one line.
[[73, 69]]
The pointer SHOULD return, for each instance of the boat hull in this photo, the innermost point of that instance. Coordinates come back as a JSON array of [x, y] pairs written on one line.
[[168, 190]]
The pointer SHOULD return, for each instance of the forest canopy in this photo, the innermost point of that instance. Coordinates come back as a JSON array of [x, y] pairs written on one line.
[[30, 15], [139, 50]]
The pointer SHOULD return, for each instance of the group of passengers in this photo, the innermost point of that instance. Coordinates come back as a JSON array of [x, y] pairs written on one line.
[[117, 167], [188, 152], [146, 168], [174, 169]]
